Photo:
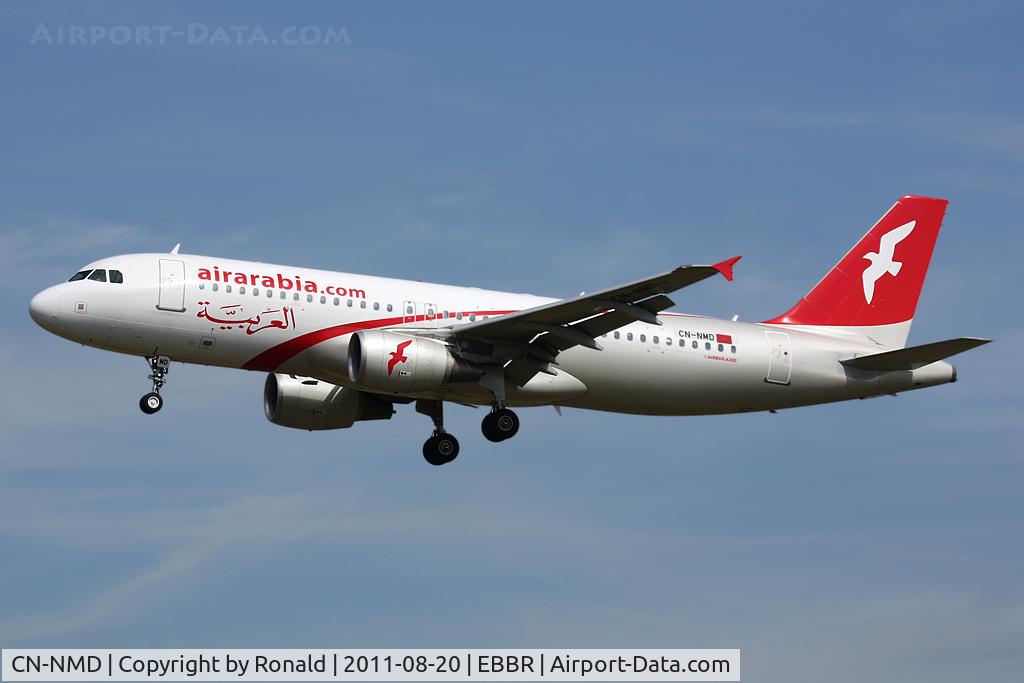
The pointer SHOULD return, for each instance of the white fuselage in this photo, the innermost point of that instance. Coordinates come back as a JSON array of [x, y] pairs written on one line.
[[257, 316]]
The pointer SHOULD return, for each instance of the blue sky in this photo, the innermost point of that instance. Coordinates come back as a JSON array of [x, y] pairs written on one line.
[[548, 148]]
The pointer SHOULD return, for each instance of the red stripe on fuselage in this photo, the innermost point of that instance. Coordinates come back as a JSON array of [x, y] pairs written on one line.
[[272, 358]]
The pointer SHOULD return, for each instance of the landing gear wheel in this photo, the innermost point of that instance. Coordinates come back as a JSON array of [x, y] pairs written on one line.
[[500, 424], [441, 449], [151, 402]]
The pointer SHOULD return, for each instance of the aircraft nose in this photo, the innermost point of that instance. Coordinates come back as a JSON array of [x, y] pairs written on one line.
[[44, 307]]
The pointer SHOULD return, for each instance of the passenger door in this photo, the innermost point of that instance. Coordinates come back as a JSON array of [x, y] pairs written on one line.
[[780, 361], [172, 286]]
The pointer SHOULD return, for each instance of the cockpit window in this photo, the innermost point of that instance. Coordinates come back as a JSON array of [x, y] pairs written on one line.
[[99, 275], [80, 275], [116, 277]]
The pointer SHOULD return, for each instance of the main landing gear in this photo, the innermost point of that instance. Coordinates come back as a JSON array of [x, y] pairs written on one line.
[[500, 424], [441, 448], [159, 366]]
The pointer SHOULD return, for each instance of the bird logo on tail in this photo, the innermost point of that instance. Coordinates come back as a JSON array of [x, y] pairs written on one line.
[[882, 261]]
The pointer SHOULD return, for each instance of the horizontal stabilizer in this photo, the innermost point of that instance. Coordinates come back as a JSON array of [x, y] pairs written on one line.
[[914, 357]]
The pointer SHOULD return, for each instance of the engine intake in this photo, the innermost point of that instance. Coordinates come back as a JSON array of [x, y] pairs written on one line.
[[305, 403], [399, 363]]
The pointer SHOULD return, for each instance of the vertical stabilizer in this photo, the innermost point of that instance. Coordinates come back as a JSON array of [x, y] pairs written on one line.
[[874, 289]]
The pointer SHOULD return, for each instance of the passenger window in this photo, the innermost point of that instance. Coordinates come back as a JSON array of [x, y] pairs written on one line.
[[362, 304], [80, 275], [695, 344], [255, 292], [309, 298], [472, 317], [284, 295], [389, 308], [350, 303], [295, 296], [707, 346], [732, 349], [323, 299], [643, 338], [116, 277], [99, 275], [376, 306], [227, 288], [629, 336], [458, 316], [241, 290], [202, 285], [668, 341], [337, 301], [270, 293], [655, 340], [721, 348], [408, 310], [617, 335], [215, 288]]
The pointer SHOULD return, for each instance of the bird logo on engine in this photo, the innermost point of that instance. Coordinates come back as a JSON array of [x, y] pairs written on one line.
[[398, 356]]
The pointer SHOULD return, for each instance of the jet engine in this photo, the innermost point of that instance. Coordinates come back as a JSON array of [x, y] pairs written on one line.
[[399, 363], [305, 403]]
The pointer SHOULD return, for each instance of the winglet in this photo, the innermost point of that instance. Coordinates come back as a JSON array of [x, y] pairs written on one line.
[[725, 267], [176, 248]]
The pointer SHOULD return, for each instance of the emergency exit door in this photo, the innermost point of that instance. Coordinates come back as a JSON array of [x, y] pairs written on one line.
[[414, 312]]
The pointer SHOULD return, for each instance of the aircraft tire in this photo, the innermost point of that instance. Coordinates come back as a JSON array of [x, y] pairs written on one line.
[[151, 402], [440, 449], [500, 425]]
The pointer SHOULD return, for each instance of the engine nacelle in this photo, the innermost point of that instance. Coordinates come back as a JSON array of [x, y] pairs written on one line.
[[400, 363], [306, 403]]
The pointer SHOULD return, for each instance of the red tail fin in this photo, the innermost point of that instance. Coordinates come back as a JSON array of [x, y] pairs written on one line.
[[879, 281]]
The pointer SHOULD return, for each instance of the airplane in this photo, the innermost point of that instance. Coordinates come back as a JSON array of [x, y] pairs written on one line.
[[340, 348]]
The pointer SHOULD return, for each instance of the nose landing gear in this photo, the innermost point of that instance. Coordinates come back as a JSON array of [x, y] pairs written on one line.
[[151, 402], [159, 366]]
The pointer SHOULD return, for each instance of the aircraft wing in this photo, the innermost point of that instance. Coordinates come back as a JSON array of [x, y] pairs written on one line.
[[533, 337]]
